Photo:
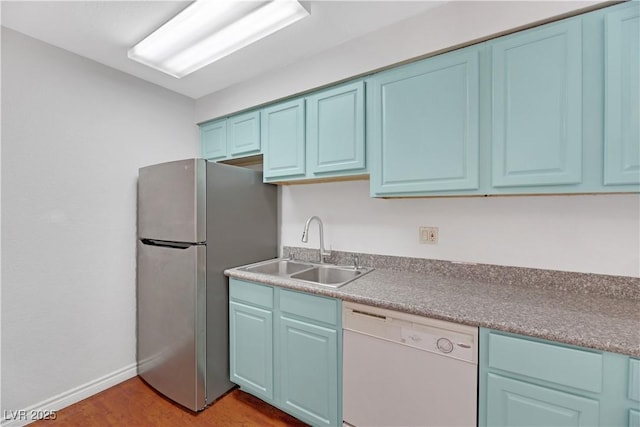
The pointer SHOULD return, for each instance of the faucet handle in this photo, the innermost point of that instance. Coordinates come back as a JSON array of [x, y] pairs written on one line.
[[324, 254], [355, 262]]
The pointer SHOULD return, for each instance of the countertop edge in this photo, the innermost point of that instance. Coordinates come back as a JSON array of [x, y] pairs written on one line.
[[503, 324]]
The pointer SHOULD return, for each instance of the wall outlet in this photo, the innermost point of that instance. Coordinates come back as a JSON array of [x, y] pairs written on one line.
[[428, 235]]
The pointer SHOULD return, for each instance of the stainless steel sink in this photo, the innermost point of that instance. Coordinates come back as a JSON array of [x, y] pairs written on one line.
[[319, 274], [278, 267], [328, 275]]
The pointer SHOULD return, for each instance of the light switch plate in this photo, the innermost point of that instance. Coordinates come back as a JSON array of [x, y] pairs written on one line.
[[428, 235]]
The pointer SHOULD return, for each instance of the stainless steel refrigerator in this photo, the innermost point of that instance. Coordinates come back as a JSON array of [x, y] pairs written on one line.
[[195, 219]]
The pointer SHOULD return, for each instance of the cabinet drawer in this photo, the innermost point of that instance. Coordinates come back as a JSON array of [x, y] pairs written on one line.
[[634, 418], [309, 306], [548, 362], [634, 379], [251, 292]]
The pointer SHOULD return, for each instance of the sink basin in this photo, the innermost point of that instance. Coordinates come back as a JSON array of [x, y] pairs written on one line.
[[328, 275], [278, 267], [319, 274]]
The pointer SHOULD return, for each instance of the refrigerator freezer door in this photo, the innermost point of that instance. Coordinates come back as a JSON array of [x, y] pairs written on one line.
[[172, 201], [172, 320]]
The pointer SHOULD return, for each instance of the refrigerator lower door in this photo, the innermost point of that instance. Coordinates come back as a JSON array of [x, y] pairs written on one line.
[[172, 320]]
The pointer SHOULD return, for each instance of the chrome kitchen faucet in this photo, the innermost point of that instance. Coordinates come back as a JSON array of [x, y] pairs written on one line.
[[305, 237]]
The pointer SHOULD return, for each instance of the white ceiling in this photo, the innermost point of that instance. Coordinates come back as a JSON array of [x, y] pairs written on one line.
[[104, 31]]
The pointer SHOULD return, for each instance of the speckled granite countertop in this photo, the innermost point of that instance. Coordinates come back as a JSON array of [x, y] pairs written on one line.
[[585, 319]]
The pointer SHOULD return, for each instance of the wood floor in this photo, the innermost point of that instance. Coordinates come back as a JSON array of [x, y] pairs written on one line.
[[134, 404]]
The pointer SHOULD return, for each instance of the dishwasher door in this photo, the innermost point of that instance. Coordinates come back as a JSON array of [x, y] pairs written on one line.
[[404, 370]]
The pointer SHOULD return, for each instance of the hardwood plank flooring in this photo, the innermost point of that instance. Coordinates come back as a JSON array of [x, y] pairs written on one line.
[[133, 403]]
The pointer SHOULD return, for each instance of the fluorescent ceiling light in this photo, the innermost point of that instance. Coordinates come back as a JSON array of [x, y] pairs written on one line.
[[208, 30]]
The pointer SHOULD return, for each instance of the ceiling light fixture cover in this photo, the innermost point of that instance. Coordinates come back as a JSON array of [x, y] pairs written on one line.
[[208, 30]]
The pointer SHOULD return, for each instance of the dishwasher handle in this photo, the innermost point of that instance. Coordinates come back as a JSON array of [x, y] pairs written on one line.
[[364, 313]]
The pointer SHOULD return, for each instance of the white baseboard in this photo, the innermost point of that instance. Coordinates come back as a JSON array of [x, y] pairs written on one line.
[[62, 400]]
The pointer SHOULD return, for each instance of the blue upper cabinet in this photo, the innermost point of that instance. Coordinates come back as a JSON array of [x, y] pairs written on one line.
[[422, 125], [335, 130], [537, 106], [552, 109], [213, 140], [622, 96], [282, 129], [243, 134], [230, 138]]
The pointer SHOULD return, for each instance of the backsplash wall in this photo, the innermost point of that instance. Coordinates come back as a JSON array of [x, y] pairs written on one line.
[[589, 234]]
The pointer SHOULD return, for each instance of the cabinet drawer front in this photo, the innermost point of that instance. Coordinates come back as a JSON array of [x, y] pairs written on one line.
[[310, 306], [634, 418], [634, 379], [251, 292], [548, 362]]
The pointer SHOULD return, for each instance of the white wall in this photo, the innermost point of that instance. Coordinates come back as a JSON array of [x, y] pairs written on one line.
[[452, 24], [590, 234], [74, 134]]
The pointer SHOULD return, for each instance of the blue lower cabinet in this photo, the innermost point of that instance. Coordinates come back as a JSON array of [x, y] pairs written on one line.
[[309, 371], [519, 403], [532, 382], [286, 348], [251, 348]]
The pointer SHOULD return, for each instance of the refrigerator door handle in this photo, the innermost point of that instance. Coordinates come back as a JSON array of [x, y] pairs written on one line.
[[166, 244]]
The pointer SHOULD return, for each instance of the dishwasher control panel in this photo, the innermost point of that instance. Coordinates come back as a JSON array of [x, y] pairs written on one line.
[[436, 336]]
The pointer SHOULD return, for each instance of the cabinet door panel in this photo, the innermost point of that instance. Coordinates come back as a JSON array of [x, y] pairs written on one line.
[[537, 107], [251, 348], [335, 129], [283, 134], [243, 132], [213, 138], [309, 371], [424, 126], [622, 97], [516, 403]]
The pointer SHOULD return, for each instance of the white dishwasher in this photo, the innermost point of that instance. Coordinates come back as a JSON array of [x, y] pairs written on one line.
[[405, 370]]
